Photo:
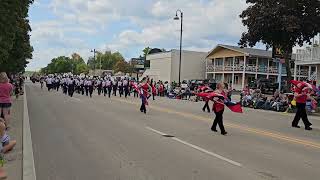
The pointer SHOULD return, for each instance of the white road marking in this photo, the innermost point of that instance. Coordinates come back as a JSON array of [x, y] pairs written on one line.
[[29, 171], [197, 148], [156, 131], [77, 99]]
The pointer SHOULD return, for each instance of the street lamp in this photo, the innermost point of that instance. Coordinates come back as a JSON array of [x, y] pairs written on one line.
[[94, 60], [177, 18]]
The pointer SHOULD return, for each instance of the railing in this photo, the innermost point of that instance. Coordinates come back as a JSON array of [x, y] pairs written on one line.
[[313, 76], [310, 54], [253, 69]]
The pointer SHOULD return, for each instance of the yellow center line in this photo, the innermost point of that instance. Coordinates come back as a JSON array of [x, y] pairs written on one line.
[[235, 126]]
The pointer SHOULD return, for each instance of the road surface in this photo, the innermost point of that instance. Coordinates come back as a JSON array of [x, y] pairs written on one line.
[[104, 139]]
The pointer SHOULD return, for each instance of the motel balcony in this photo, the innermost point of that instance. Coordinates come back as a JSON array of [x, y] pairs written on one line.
[[272, 70]]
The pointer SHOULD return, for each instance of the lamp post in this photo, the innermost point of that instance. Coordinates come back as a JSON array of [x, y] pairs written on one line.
[[94, 60], [181, 18]]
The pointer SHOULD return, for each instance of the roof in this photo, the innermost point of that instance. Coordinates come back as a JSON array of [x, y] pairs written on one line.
[[246, 51]]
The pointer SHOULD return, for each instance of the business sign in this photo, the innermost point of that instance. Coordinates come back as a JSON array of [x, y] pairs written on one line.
[[277, 53]]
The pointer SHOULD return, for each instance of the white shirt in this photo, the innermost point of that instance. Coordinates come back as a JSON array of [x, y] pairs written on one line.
[[108, 83], [49, 80], [125, 82]]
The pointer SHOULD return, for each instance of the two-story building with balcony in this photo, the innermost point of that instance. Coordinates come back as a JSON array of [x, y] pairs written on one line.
[[240, 66], [310, 58]]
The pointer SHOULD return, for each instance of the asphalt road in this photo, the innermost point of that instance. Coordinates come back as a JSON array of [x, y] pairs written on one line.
[[110, 139]]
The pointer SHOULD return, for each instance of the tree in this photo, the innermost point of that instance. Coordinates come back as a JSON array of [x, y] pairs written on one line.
[[281, 24], [122, 66], [15, 48], [82, 68], [146, 51]]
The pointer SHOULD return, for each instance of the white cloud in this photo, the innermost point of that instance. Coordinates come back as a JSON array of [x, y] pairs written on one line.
[[203, 23], [206, 23]]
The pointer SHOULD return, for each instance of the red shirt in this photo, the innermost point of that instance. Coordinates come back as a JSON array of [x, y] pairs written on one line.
[[5, 92], [302, 99], [219, 105]]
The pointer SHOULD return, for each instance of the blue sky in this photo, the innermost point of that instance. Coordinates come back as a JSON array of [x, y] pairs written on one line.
[[62, 27]]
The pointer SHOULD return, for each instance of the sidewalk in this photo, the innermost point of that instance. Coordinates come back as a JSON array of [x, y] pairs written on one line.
[[13, 164]]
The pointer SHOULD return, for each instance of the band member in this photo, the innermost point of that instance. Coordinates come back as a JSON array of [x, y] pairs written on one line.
[[104, 88], [126, 87], [57, 83], [82, 86], [218, 109], [135, 91], [109, 86], [64, 85], [90, 87], [301, 96], [86, 86], [115, 87], [77, 82], [144, 88], [120, 85], [154, 90], [99, 86], [49, 83], [206, 105], [71, 85]]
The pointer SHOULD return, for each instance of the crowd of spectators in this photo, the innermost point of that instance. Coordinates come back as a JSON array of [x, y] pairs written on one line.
[[280, 102], [8, 87]]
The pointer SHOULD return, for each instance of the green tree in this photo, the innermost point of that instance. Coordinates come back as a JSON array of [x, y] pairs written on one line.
[[281, 24], [15, 48], [82, 68], [122, 66]]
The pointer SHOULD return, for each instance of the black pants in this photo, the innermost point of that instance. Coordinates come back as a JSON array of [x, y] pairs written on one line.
[[90, 90], [153, 94], [218, 121], [87, 90], [135, 94], [301, 114], [143, 107], [114, 92], [109, 91], [82, 89], [99, 90], [105, 91], [126, 91], [57, 86], [206, 106], [70, 90], [120, 90]]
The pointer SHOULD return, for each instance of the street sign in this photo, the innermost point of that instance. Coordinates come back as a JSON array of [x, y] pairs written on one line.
[[277, 52]]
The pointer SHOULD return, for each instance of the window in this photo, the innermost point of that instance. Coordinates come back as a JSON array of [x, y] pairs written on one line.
[[251, 79], [236, 79], [219, 62]]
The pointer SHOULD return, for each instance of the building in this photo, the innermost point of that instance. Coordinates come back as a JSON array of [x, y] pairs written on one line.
[[164, 66], [239, 66], [308, 60]]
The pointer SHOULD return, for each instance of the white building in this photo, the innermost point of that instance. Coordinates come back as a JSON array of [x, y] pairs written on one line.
[[308, 59], [240, 66], [164, 66]]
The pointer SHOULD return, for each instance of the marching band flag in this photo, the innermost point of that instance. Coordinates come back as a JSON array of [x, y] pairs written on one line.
[[233, 106]]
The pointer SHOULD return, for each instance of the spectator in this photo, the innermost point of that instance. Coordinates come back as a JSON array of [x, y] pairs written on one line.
[[6, 144], [6, 89]]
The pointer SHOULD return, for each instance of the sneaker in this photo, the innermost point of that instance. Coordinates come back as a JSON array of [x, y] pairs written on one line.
[[296, 126], [224, 133], [308, 128]]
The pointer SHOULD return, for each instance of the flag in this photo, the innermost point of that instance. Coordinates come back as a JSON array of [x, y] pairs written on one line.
[[233, 106], [302, 85]]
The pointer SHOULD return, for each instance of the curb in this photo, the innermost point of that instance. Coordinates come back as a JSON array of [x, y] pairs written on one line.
[[28, 168]]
